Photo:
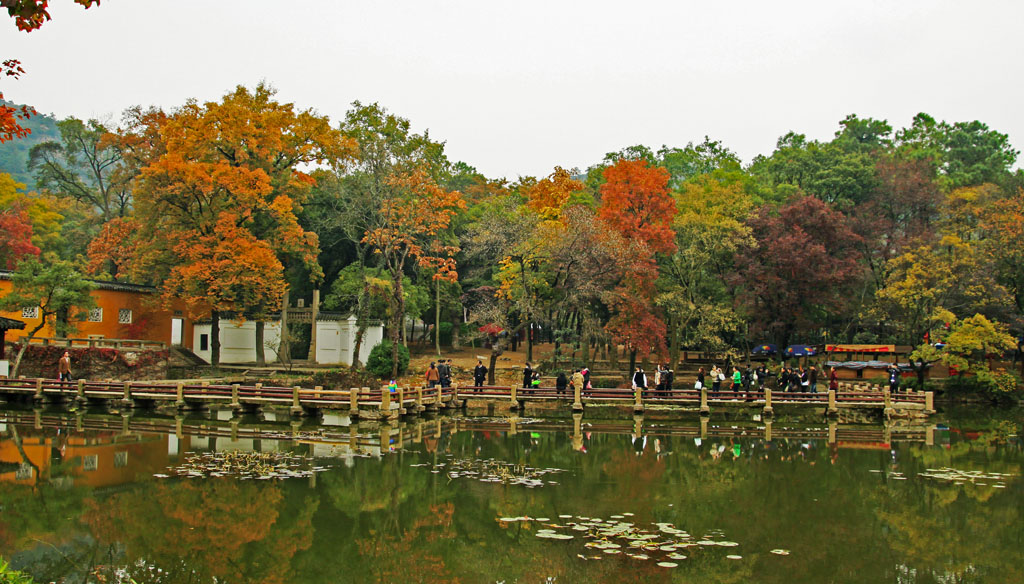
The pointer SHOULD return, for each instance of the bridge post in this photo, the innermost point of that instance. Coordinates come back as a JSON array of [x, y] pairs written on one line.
[[235, 405], [887, 397], [440, 396], [38, 397], [179, 401], [577, 395], [768, 410], [296, 409], [704, 408], [353, 402], [929, 402], [385, 402], [513, 403], [317, 389], [833, 409], [638, 403], [401, 400], [126, 399], [419, 398], [80, 397]]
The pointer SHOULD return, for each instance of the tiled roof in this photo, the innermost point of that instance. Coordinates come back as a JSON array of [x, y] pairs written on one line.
[[103, 285], [10, 324]]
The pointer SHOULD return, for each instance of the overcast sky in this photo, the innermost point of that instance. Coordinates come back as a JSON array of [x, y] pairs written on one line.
[[517, 87]]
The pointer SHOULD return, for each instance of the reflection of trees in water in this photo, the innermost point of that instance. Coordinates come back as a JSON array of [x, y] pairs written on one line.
[[205, 530]]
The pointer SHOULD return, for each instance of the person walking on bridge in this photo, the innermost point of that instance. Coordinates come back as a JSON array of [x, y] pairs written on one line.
[[527, 375], [479, 374], [64, 367]]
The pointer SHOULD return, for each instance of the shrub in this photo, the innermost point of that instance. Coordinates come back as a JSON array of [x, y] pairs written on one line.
[[346, 377], [9, 576], [379, 362]]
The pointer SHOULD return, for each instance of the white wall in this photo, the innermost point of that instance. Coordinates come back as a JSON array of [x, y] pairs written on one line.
[[335, 341], [238, 341]]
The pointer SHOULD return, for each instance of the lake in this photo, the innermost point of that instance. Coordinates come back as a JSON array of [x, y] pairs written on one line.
[[101, 498]]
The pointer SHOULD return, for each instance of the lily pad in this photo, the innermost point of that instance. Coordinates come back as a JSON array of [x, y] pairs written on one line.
[[668, 565]]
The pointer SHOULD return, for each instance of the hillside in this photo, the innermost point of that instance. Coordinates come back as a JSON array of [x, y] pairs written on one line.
[[14, 154]]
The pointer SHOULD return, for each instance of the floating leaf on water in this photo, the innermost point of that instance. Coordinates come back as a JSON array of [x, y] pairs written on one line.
[[676, 557], [640, 556], [611, 551], [543, 519], [734, 557], [780, 552], [668, 564], [565, 516], [728, 544], [509, 519]]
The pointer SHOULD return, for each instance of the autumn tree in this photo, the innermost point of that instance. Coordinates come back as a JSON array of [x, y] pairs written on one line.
[[801, 271], [225, 179], [635, 202], [410, 219]]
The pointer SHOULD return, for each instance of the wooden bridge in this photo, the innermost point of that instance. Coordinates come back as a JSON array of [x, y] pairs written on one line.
[[380, 403]]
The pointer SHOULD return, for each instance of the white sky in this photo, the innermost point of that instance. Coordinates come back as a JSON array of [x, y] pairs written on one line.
[[517, 87]]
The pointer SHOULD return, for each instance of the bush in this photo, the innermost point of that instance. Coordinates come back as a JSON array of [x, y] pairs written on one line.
[[347, 377], [9, 576], [379, 362]]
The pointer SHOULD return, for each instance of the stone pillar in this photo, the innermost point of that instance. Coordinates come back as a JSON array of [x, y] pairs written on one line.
[[296, 409], [768, 410], [126, 398], [513, 402], [385, 402], [179, 400], [577, 397], [236, 405], [38, 397], [401, 400], [353, 401], [638, 400], [887, 397], [419, 398], [315, 308], [833, 409], [80, 398], [704, 408], [577, 432], [929, 403]]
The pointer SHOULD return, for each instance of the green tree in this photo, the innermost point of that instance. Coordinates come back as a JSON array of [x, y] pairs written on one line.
[[59, 291]]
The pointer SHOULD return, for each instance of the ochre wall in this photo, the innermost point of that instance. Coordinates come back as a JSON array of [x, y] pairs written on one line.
[[150, 322]]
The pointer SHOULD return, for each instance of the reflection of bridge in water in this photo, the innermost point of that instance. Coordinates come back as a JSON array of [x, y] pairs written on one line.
[[341, 437]]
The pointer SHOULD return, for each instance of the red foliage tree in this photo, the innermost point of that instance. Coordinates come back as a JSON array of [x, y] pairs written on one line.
[[803, 265], [15, 237]]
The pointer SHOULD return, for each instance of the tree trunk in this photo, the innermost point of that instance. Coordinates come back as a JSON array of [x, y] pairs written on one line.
[[360, 331], [632, 361], [495, 352], [613, 355], [529, 342], [215, 339], [456, 325], [261, 358], [437, 317], [24, 346], [398, 319], [673, 343]]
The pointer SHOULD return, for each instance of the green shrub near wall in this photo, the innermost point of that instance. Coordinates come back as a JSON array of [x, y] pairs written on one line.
[[379, 362]]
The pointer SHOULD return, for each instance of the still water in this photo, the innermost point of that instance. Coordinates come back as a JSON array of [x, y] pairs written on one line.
[[99, 498]]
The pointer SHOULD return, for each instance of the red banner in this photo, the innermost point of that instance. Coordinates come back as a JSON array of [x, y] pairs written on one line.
[[860, 348]]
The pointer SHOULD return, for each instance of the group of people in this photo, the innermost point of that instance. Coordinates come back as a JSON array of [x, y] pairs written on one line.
[[663, 378], [439, 373], [787, 379]]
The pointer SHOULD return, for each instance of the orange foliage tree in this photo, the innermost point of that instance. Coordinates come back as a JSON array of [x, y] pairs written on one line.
[[217, 195], [408, 227], [11, 117], [635, 201]]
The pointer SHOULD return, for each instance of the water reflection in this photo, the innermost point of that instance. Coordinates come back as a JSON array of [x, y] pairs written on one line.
[[80, 496]]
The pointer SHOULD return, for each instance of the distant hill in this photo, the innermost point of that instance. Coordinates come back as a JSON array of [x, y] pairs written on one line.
[[14, 153]]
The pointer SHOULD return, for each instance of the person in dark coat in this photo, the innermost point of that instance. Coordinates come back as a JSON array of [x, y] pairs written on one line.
[[894, 379], [670, 376], [813, 375], [479, 374], [527, 375], [562, 383]]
